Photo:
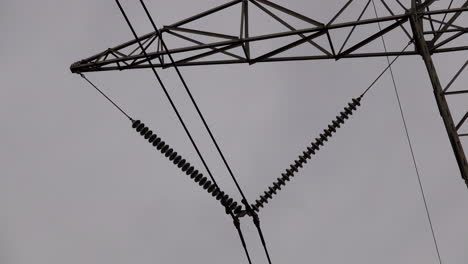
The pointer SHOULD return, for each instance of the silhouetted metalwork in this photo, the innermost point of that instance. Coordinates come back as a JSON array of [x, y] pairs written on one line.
[[130, 55], [220, 195], [307, 154], [150, 51], [184, 165], [423, 47]]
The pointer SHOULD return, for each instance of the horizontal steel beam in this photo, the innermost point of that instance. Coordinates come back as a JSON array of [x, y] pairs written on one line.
[[117, 58]]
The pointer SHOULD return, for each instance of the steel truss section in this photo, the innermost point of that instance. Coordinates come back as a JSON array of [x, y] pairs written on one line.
[[442, 36], [440, 95], [129, 55]]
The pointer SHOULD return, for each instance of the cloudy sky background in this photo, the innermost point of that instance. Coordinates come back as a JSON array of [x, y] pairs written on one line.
[[78, 185]]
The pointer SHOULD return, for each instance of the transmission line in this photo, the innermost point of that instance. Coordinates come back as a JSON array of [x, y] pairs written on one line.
[[192, 99], [256, 219], [224, 200], [410, 145], [166, 93]]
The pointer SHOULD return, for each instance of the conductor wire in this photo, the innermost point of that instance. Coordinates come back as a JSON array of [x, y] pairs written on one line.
[[192, 99], [409, 143], [236, 220], [166, 93], [256, 220], [179, 117]]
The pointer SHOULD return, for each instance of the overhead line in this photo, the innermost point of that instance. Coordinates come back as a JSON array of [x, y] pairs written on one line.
[[410, 144], [192, 99], [180, 118], [256, 220], [167, 93]]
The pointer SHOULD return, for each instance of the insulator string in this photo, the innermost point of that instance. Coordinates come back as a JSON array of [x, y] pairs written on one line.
[[231, 207], [307, 154], [410, 145], [229, 204], [319, 142], [169, 153]]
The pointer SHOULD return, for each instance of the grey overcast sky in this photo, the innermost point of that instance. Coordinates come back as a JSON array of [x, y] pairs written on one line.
[[78, 185]]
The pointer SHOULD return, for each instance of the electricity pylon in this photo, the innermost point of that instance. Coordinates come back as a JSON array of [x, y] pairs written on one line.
[[420, 24]]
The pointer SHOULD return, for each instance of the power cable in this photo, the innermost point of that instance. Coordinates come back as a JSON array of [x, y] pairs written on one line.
[[236, 222], [179, 117], [158, 33], [256, 219], [166, 93], [409, 143]]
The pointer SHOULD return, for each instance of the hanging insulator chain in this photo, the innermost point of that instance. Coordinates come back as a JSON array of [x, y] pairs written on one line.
[[306, 155], [229, 204]]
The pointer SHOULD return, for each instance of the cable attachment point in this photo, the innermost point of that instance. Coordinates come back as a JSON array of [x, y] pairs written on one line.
[[247, 212], [229, 204], [236, 222], [307, 154], [256, 220]]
